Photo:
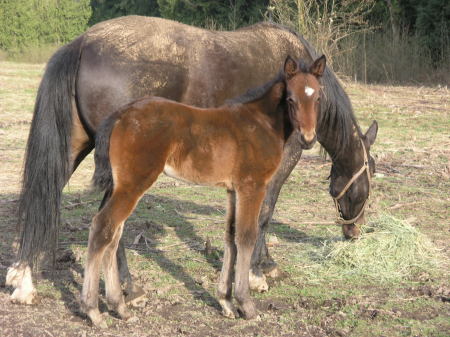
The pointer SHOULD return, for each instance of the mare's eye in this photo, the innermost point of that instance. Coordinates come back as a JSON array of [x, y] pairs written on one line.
[[290, 100]]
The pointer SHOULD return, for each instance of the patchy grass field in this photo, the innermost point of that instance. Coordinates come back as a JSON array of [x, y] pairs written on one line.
[[175, 220]]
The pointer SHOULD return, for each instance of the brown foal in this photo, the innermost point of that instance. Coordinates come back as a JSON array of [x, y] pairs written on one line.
[[237, 146]]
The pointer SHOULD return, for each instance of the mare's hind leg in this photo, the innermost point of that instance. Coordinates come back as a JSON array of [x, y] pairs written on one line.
[[249, 202], [134, 293], [105, 230], [224, 288]]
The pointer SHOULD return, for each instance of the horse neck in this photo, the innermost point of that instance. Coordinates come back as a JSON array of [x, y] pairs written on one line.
[[269, 105], [350, 158]]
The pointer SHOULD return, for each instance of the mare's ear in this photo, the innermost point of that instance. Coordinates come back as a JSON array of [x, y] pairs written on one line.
[[318, 67], [290, 67], [371, 133]]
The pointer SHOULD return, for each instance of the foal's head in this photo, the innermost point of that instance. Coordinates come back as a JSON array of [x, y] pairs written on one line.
[[303, 94]]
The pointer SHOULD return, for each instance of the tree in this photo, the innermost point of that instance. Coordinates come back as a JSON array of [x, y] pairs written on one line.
[[104, 10]]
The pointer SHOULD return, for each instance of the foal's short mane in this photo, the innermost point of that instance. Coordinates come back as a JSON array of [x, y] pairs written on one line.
[[256, 93], [336, 114]]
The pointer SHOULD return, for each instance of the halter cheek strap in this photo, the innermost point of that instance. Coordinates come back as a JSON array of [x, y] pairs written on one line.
[[365, 168]]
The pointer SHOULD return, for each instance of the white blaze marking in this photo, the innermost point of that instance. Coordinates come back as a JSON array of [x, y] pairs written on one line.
[[309, 91]]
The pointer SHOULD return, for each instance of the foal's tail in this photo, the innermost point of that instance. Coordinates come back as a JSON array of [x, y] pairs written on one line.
[[103, 179], [46, 167]]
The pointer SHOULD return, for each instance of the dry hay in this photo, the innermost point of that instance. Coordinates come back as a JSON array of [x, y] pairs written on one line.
[[389, 249]]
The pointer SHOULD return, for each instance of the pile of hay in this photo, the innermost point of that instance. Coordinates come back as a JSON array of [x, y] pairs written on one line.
[[389, 249]]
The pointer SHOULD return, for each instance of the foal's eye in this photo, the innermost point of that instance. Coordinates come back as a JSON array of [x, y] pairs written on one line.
[[292, 100]]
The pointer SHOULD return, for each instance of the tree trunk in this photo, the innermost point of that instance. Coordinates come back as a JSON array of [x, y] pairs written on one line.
[[393, 19]]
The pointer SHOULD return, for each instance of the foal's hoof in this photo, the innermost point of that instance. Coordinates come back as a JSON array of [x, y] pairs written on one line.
[[97, 319], [258, 282], [228, 309]]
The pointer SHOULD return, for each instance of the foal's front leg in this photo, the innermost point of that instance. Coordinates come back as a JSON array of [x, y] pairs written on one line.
[[249, 202]]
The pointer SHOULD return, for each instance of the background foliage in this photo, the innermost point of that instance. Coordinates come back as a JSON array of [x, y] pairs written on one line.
[[369, 40], [25, 23]]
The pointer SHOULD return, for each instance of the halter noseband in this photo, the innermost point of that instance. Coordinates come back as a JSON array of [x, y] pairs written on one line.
[[340, 218]]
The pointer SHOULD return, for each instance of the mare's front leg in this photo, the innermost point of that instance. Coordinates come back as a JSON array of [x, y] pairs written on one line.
[[224, 288], [261, 260], [249, 200]]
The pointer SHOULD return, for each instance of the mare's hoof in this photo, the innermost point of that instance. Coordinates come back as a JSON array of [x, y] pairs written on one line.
[[273, 273], [258, 282], [248, 310], [21, 296], [123, 312], [19, 277], [228, 309]]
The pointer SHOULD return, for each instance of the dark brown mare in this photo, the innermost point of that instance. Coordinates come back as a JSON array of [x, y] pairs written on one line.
[[236, 146], [120, 60]]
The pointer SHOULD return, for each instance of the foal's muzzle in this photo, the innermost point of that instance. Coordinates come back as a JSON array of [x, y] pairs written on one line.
[[308, 139]]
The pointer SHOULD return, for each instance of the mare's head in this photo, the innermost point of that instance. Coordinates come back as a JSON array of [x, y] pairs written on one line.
[[350, 183], [303, 95]]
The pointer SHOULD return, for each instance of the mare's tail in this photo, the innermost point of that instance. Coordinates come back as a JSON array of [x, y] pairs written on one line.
[[47, 166]]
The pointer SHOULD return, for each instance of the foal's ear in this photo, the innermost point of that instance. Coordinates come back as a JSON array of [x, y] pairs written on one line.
[[318, 67], [290, 67], [371, 133]]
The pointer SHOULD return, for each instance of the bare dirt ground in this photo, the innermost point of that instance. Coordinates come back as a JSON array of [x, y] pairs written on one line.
[[174, 220]]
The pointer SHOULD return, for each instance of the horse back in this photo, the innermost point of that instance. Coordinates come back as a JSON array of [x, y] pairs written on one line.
[[129, 57]]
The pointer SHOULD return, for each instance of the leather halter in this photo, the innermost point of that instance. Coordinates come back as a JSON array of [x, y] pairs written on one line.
[[365, 168]]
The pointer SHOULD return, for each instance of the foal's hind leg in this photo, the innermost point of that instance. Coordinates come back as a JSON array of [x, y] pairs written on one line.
[[224, 288], [106, 228], [114, 295], [133, 292], [249, 202]]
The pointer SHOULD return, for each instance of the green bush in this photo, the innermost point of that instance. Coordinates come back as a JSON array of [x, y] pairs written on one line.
[[25, 23]]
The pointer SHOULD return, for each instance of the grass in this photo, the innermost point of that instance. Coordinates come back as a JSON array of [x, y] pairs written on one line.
[[327, 288]]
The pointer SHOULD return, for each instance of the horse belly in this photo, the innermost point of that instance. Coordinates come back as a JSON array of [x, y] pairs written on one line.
[[209, 177]]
